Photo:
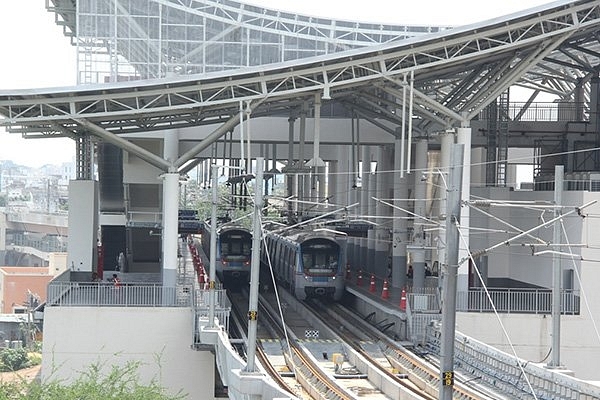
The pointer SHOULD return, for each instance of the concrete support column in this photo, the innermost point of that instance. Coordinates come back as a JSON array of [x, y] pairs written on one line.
[[400, 221], [170, 210], [303, 178], [364, 204], [464, 137], [446, 142], [169, 228], [373, 178], [83, 225], [384, 192], [420, 210]]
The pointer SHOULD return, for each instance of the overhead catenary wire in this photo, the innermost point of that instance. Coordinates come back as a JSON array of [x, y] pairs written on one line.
[[583, 293], [527, 232], [489, 297]]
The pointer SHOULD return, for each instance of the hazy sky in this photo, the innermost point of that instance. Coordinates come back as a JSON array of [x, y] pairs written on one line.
[[36, 54]]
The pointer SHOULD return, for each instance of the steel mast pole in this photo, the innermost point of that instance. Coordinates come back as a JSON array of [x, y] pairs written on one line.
[[255, 265], [451, 272]]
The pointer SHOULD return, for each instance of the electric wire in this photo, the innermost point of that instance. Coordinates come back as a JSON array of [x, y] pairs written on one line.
[[485, 288], [583, 294]]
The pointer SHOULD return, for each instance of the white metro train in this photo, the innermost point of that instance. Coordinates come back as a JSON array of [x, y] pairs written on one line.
[[309, 262], [234, 251]]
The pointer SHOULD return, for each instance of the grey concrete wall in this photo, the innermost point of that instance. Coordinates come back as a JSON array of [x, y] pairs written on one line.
[[159, 338]]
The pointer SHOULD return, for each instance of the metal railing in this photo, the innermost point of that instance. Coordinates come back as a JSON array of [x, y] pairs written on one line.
[[99, 294], [544, 111], [504, 372], [524, 301]]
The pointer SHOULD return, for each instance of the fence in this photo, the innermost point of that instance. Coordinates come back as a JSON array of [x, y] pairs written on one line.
[[507, 300], [73, 294]]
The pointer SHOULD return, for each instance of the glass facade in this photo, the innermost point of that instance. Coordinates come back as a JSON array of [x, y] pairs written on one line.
[[120, 40]]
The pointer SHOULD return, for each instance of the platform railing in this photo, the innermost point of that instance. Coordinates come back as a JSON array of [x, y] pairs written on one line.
[[100, 294], [522, 301]]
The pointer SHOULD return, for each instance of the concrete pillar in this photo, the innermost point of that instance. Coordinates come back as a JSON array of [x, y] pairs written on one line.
[[289, 177], [83, 225], [446, 142], [169, 228], [364, 204], [464, 137], [384, 192], [170, 211], [400, 222], [372, 179], [303, 179], [419, 235]]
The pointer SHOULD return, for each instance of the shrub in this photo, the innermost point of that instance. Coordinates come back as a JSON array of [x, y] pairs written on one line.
[[120, 382], [13, 359]]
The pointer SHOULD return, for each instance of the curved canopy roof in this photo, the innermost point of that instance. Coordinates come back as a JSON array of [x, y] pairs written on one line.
[[452, 74]]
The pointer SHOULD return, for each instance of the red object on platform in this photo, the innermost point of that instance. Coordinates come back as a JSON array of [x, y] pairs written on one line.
[[372, 285], [348, 272], [359, 278], [403, 300], [385, 293]]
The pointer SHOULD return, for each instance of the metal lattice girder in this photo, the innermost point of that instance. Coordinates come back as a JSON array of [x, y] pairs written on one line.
[[518, 43]]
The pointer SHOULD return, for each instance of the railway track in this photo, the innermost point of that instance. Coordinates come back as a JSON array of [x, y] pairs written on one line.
[[409, 369], [348, 359]]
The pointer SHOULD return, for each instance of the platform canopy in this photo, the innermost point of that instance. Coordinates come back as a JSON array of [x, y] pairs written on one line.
[[454, 74]]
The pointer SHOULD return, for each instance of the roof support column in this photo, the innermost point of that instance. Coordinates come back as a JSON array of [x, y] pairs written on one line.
[[400, 224], [464, 137], [371, 189], [364, 204], [384, 181], [446, 143], [170, 211], [303, 178], [290, 179], [419, 236]]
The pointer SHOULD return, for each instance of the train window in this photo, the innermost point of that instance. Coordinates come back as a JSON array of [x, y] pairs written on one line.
[[320, 258]]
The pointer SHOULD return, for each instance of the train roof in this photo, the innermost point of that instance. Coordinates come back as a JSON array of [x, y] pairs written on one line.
[[227, 227], [302, 235]]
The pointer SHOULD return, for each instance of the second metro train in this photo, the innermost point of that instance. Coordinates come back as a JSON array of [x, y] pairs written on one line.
[[311, 263], [234, 251]]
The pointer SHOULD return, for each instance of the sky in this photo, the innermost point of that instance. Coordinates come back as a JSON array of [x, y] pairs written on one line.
[[43, 57]]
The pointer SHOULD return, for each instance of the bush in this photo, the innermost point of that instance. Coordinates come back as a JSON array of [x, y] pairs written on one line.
[[120, 382], [13, 359], [34, 358]]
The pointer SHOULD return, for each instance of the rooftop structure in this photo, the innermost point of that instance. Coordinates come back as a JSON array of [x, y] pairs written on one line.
[[395, 108]]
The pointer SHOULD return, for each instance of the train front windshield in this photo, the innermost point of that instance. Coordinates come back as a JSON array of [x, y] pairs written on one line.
[[235, 247], [320, 258]]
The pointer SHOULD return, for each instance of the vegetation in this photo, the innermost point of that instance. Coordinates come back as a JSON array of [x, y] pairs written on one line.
[[14, 359], [120, 382]]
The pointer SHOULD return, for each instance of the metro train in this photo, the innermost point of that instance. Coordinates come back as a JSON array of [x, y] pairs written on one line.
[[234, 251], [311, 263]]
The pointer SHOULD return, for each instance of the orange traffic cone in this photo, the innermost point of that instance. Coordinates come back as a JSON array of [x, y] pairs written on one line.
[[359, 278], [385, 293], [372, 285], [403, 300], [348, 272]]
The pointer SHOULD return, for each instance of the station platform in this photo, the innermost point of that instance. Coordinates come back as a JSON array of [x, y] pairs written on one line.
[[379, 290], [384, 306]]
